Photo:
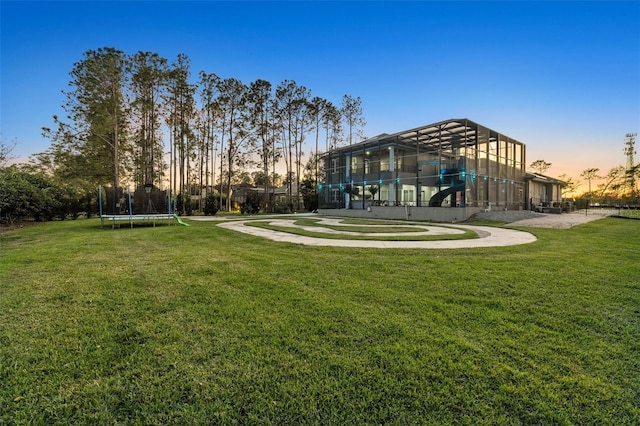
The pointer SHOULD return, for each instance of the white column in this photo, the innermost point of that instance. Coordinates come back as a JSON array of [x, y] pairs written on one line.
[[392, 167], [347, 176]]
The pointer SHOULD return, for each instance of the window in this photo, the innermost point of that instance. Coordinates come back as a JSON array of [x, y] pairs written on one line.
[[408, 194], [399, 162], [384, 164]]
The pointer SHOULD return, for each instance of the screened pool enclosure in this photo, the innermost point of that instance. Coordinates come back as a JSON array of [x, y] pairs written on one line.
[[453, 163]]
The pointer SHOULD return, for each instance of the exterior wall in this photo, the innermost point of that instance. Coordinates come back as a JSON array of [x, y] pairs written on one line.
[[543, 194], [435, 214]]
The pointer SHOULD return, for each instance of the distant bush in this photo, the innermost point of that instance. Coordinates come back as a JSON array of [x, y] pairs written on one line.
[[211, 205], [251, 204], [26, 195], [282, 206], [310, 201], [183, 204]]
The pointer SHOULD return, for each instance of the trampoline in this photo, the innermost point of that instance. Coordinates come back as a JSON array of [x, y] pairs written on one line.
[[151, 216]]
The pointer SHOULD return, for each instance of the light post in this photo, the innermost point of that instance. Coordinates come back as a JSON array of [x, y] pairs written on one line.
[[147, 188], [586, 211]]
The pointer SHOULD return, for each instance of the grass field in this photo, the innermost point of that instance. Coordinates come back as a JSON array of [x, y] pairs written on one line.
[[202, 325], [631, 214]]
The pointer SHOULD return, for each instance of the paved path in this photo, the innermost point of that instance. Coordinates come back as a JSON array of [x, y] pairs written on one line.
[[488, 236], [563, 221]]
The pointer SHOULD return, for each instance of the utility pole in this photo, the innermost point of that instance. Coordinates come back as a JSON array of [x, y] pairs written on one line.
[[629, 151]]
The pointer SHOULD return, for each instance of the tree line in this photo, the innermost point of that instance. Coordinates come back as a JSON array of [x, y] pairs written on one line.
[[123, 110], [618, 185]]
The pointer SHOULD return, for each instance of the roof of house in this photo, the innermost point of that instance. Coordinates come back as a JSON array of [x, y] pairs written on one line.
[[539, 177], [284, 189]]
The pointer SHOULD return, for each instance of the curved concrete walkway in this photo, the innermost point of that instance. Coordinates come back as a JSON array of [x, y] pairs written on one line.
[[488, 236], [565, 220]]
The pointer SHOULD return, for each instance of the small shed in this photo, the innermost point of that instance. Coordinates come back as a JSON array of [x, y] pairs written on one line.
[[544, 193]]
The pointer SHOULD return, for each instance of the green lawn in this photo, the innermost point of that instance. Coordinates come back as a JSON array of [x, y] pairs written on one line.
[[347, 226], [202, 325]]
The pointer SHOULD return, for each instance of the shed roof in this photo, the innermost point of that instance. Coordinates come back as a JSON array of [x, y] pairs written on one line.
[[539, 177]]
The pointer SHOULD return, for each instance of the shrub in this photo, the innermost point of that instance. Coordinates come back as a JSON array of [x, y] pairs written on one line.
[[282, 206], [251, 204], [26, 195], [183, 204], [310, 201], [211, 205]]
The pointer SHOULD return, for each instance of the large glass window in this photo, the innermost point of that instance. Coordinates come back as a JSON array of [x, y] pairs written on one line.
[[399, 160], [504, 148], [518, 157], [483, 167], [482, 150], [384, 193], [384, 163], [408, 194]]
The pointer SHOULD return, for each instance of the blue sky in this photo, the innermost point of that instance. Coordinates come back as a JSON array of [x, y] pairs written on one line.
[[562, 77]]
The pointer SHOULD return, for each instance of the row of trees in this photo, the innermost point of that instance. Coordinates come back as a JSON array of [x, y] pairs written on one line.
[[27, 193], [619, 185], [37, 196], [122, 108]]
